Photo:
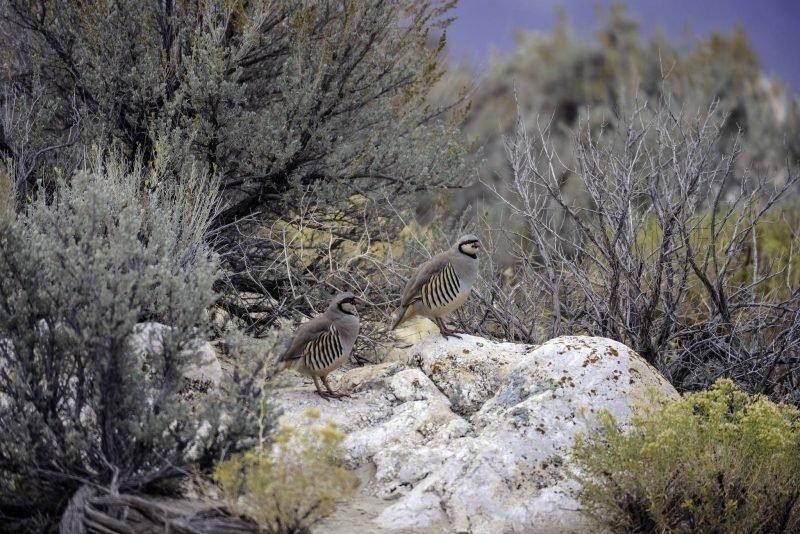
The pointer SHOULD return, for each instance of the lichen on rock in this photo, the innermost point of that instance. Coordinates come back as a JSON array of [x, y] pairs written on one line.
[[472, 435]]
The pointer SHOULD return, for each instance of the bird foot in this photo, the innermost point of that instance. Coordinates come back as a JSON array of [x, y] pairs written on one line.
[[446, 332], [450, 333], [328, 395], [324, 395]]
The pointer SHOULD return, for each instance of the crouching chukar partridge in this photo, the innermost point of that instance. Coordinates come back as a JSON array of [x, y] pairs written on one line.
[[441, 285], [324, 343]]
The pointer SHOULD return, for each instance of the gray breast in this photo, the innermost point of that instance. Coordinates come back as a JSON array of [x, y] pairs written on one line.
[[323, 351], [441, 289]]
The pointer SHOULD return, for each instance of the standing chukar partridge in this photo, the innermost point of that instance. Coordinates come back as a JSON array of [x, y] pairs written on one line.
[[324, 343], [441, 285]]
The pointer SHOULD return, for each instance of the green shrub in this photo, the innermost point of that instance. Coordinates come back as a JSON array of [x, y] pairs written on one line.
[[715, 461], [298, 105], [292, 485], [79, 410]]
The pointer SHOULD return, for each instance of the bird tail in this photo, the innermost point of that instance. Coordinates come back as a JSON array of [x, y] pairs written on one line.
[[401, 315]]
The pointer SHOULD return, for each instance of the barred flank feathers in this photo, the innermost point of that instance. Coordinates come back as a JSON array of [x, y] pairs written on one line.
[[442, 288]]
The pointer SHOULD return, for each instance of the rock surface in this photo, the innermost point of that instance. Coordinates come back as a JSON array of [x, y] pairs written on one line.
[[471, 435], [205, 370]]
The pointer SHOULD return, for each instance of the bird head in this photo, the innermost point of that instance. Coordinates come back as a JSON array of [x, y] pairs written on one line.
[[345, 303], [469, 245]]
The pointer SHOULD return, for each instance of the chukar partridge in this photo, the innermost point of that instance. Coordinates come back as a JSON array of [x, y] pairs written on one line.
[[441, 285], [324, 343]]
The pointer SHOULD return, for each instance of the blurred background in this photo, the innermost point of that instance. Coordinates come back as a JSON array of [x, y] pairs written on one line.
[[487, 28], [585, 60]]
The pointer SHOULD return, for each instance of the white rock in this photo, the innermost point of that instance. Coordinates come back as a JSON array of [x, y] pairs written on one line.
[[475, 436], [407, 335], [468, 376], [6, 354], [199, 443], [147, 339]]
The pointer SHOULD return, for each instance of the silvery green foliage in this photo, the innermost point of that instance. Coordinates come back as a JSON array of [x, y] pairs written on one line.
[[292, 102], [77, 273]]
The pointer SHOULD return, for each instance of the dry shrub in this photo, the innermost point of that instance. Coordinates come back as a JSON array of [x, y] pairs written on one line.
[[87, 425], [292, 485], [716, 461], [5, 190], [673, 249]]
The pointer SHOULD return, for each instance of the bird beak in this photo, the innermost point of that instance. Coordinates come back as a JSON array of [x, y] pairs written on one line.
[[357, 301]]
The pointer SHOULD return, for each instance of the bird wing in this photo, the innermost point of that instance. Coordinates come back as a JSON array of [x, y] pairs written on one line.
[[424, 273], [305, 334]]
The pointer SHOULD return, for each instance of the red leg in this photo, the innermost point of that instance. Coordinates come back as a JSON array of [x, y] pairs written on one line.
[[321, 393], [446, 332]]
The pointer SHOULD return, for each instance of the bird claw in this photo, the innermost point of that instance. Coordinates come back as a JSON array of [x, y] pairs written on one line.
[[328, 395], [450, 333], [447, 332]]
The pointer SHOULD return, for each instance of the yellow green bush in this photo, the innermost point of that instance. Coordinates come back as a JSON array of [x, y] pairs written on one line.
[[773, 250], [291, 484], [716, 461]]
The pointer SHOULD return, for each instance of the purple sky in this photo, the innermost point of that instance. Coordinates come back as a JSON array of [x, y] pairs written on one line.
[[773, 26]]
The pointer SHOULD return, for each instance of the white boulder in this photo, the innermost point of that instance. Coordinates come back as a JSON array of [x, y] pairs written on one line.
[[205, 369], [472, 435]]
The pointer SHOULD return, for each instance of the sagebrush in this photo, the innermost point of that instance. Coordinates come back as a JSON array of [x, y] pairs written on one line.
[[83, 415], [715, 461], [312, 111], [292, 483]]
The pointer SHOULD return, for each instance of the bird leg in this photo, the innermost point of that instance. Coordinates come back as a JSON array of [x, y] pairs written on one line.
[[332, 393], [446, 332], [321, 393]]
